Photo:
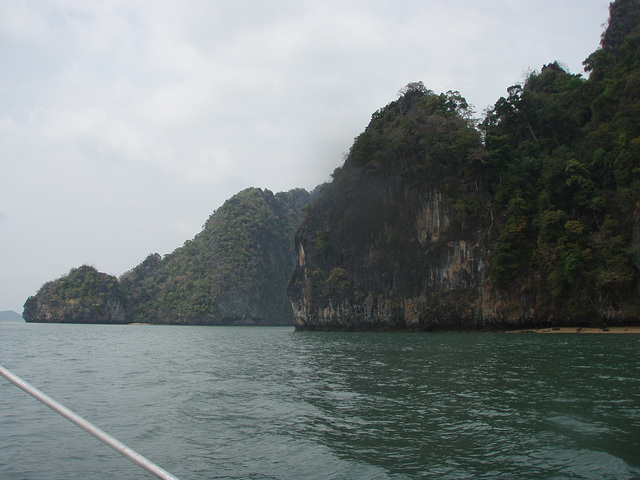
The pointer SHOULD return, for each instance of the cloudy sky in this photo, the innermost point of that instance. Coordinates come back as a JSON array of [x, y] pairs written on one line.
[[125, 123]]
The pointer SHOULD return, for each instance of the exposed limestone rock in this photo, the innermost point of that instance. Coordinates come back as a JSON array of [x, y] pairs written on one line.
[[83, 296], [390, 245]]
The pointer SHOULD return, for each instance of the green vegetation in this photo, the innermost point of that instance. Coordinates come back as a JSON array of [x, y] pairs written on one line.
[[435, 219], [423, 138], [566, 177], [234, 271], [81, 285], [531, 215], [83, 296]]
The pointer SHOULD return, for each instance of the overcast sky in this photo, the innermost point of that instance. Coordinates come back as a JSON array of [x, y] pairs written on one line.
[[125, 123]]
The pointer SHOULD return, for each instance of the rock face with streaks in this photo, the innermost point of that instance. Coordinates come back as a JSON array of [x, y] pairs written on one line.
[[530, 219], [234, 272], [398, 239]]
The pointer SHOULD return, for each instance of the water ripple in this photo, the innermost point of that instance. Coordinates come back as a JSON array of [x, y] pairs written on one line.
[[269, 403]]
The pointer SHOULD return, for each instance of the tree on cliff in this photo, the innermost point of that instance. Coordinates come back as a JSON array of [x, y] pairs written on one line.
[[392, 227], [83, 296], [233, 272], [623, 20], [564, 153]]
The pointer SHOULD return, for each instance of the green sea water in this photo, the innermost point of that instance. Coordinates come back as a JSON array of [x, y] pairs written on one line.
[[271, 403]]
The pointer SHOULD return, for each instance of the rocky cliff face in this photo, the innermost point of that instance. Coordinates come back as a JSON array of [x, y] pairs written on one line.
[[623, 20], [234, 272], [433, 222], [83, 296], [398, 240], [428, 226]]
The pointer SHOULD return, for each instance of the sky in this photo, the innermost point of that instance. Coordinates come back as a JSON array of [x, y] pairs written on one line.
[[125, 123]]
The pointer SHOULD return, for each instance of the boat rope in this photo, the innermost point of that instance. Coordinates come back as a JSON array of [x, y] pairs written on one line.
[[73, 417]]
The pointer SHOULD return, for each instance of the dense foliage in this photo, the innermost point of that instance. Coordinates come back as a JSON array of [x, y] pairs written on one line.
[[564, 153], [361, 239], [234, 271], [547, 187], [83, 296]]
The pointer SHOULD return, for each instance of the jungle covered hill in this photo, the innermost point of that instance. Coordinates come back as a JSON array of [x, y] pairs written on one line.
[[530, 217], [564, 154], [527, 217], [234, 272]]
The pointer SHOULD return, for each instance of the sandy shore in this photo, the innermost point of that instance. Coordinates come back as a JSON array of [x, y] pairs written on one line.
[[605, 330]]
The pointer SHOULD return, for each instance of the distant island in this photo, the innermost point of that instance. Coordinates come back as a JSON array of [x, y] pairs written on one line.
[[9, 316], [527, 218], [234, 272]]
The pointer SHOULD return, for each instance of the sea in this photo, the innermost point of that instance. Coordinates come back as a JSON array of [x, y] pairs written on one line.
[[272, 403]]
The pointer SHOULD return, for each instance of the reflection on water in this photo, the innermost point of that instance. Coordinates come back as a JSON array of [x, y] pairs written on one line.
[[236, 402]]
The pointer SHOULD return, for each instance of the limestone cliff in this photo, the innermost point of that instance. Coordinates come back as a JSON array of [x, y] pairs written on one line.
[[529, 219], [83, 296], [398, 239], [234, 272]]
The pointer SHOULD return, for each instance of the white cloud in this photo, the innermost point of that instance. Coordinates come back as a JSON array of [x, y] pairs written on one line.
[[20, 22]]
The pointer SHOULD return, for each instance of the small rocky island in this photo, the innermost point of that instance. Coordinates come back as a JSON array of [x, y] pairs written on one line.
[[9, 316], [83, 296]]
